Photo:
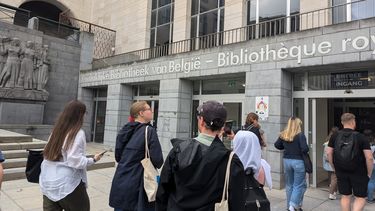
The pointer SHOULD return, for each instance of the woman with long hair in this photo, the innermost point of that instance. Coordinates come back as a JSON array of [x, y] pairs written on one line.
[[63, 178], [328, 167], [293, 142], [127, 191]]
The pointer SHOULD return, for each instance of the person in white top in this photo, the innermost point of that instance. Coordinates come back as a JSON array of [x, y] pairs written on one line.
[[63, 179]]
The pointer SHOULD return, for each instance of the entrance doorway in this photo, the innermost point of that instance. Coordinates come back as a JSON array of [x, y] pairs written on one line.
[[100, 106], [322, 115]]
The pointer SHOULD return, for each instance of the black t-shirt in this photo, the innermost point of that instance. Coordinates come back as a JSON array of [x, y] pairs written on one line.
[[362, 144]]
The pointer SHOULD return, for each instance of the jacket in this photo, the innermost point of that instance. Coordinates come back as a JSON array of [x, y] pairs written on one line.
[[193, 176], [127, 190]]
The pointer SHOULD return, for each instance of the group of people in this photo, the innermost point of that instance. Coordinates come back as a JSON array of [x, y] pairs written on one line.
[[193, 173]]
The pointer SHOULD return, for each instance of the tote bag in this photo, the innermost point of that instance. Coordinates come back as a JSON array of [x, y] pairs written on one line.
[[223, 205], [150, 175], [34, 160]]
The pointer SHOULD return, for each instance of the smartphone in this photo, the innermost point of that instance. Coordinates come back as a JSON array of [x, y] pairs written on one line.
[[101, 154], [228, 127]]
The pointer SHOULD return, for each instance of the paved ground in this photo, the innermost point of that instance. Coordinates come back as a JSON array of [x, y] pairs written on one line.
[[21, 195]]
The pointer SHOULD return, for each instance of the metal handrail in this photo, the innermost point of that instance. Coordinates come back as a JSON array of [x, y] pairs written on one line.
[[268, 28]]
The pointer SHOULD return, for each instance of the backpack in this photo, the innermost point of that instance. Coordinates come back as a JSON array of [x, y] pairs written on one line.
[[256, 199], [346, 156]]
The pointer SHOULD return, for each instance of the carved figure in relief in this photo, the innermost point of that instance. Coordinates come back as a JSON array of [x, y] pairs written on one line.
[[28, 62], [10, 73]]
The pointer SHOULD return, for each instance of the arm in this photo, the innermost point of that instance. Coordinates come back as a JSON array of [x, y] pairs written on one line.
[[330, 157], [76, 157], [369, 161], [236, 193], [156, 154], [166, 185], [1, 174], [279, 144]]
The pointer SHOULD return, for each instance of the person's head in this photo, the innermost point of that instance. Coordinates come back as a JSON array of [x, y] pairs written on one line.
[[68, 123], [293, 127], [331, 132], [348, 120], [211, 117], [141, 112], [252, 118], [246, 146]]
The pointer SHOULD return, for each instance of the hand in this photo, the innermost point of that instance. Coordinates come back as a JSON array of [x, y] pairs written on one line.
[[231, 136], [97, 157]]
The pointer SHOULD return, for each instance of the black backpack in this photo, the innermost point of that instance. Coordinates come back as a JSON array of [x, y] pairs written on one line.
[[256, 199], [346, 156]]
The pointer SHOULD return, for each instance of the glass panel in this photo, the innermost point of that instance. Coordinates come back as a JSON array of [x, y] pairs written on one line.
[[194, 120], [135, 90], [193, 30], [100, 122], [342, 80], [153, 18], [152, 38], [164, 15], [207, 5], [102, 92], [223, 86], [164, 2], [299, 108], [154, 4], [221, 20], [271, 9], [294, 6], [163, 35], [233, 118], [339, 12], [208, 23], [251, 12], [221, 3], [362, 10], [149, 89], [298, 81], [194, 7], [196, 86]]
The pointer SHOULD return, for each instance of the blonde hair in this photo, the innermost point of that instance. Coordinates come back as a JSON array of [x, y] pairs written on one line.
[[137, 107], [347, 117], [292, 129]]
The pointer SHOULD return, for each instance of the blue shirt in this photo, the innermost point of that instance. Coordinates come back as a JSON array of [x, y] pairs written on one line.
[[1, 157]]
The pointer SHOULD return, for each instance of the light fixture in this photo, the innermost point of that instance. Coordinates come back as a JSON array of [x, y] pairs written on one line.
[[348, 91]]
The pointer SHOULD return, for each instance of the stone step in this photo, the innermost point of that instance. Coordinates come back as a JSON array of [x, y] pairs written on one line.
[[9, 154], [19, 173], [14, 163], [23, 146], [11, 137]]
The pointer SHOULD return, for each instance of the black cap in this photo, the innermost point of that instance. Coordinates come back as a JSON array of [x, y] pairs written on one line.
[[214, 114]]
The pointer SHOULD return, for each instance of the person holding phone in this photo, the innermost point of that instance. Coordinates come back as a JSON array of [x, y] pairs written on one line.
[[63, 178], [127, 191]]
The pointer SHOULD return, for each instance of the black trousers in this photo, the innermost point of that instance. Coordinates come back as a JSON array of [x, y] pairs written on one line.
[[78, 200]]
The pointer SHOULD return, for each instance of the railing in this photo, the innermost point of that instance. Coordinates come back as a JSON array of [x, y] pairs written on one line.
[[17, 16], [269, 28], [104, 38]]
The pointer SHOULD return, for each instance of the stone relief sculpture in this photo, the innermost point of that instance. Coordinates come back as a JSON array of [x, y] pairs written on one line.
[[43, 69], [10, 72], [24, 69], [25, 79]]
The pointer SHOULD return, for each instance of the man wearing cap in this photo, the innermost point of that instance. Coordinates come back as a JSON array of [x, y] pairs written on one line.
[[193, 174]]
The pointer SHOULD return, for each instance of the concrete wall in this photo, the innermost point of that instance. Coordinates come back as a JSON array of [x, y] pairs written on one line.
[[64, 67]]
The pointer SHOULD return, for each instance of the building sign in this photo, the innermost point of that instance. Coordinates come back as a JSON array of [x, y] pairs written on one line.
[[237, 57], [349, 80], [262, 107]]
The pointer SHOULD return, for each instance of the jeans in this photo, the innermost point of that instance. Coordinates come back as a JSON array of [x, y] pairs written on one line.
[[295, 178], [371, 186]]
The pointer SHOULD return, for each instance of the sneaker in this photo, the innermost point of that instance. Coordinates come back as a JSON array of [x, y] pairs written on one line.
[[371, 201], [332, 196]]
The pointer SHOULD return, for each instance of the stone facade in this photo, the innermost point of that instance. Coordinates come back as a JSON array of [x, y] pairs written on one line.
[[269, 65]]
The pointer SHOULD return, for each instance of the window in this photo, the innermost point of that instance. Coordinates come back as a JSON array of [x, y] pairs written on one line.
[[359, 10], [151, 89], [220, 86], [207, 17], [161, 22], [270, 10]]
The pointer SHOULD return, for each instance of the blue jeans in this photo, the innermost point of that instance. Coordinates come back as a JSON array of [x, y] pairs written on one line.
[[295, 178], [371, 186]]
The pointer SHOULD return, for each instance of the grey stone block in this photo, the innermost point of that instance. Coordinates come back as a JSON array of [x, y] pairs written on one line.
[[350, 57], [341, 27]]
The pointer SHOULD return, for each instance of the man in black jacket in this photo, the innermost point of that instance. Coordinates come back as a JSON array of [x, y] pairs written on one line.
[[193, 174]]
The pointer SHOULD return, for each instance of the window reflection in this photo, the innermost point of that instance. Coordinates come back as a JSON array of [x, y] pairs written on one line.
[[161, 22]]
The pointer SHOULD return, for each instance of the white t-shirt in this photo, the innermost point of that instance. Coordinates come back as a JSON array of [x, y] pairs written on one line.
[[60, 178]]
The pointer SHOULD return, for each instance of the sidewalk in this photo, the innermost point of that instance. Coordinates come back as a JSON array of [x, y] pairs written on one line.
[[21, 195]]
